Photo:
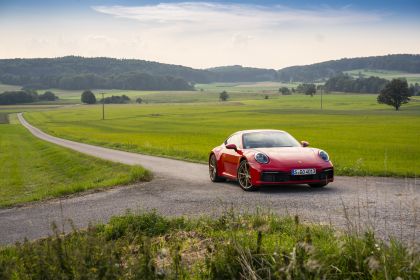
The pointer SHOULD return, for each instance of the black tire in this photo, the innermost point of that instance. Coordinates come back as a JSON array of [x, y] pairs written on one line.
[[213, 172], [244, 177], [318, 185]]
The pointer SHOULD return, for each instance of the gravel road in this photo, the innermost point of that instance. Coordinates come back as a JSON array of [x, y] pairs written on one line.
[[388, 206]]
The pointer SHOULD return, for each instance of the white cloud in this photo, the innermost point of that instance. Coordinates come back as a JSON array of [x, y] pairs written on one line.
[[225, 17], [206, 34]]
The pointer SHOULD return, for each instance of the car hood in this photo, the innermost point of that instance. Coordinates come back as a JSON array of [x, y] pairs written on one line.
[[301, 155]]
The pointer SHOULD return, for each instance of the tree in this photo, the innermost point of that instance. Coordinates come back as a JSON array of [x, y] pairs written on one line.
[[48, 96], [88, 97], [224, 96], [395, 94], [308, 89], [285, 91], [139, 100]]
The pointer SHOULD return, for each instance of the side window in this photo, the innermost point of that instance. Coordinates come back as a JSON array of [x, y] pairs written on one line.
[[234, 139], [229, 140]]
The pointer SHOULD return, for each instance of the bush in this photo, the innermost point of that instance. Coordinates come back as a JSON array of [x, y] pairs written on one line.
[[48, 96], [88, 97], [223, 96], [116, 99], [18, 97], [285, 91]]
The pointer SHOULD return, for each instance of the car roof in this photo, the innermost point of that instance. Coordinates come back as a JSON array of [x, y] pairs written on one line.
[[257, 130]]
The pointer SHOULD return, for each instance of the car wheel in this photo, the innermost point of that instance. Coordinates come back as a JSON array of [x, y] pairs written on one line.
[[244, 177], [318, 185], [214, 174]]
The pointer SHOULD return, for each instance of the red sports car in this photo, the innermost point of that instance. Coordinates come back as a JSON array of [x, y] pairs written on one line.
[[269, 157]]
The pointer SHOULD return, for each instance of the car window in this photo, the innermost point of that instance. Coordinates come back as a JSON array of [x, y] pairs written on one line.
[[269, 139], [234, 139]]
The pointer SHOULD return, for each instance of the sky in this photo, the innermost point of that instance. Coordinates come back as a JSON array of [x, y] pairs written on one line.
[[202, 34]]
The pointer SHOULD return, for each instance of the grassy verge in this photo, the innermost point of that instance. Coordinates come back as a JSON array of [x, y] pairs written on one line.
[[361, 136], [233, 246], [32, 169]]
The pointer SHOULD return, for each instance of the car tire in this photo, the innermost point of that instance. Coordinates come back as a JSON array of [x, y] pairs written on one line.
[[244, 177], [318, 185], [213, 172]]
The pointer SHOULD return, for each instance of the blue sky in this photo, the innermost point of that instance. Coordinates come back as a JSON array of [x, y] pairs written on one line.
[[203, 34]]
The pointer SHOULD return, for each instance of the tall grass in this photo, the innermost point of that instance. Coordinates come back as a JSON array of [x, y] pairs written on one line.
[[232, 246]]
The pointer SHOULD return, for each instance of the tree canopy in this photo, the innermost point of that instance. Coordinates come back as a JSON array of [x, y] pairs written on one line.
[[224, 96], [116, 99], [79, 73], [25, 96], [346, 83], [395, 94], [88, 97], [308, 89]]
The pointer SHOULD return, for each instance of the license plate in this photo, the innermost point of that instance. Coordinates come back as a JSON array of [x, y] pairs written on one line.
[[308, 171]]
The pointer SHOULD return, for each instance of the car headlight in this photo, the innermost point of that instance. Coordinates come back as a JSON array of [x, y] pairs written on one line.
[[324, 155], [261, 158]]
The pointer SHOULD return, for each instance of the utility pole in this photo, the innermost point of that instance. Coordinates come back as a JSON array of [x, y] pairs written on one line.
[[103, 106]]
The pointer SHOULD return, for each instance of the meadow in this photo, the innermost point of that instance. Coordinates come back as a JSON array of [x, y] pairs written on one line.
[[362, 137], [411, 78], [32, 169], [232, 246]]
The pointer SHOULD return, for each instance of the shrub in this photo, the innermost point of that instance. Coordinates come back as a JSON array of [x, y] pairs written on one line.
[[88, 97]]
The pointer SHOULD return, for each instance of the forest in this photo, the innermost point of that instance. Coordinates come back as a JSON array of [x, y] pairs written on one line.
[[80, 73]]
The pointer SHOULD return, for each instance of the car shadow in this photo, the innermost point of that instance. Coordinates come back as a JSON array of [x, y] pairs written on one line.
[[273, 189]]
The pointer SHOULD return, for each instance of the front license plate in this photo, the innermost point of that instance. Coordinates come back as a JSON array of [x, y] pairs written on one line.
[[308, 171]]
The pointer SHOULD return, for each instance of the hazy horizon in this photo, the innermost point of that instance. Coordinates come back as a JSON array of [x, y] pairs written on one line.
[[204, 34]]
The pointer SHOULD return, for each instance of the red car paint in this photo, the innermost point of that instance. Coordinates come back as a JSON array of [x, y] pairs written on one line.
[[282, 160]]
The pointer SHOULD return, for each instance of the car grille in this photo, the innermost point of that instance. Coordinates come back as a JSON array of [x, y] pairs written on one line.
[[277, 176]]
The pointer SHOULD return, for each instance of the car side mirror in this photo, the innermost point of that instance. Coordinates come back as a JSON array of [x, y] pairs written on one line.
[[304, 143], [231, 147]]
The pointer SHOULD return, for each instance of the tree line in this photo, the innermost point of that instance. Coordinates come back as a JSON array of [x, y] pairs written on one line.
[[129, 81], [25, 96], [74, 72]]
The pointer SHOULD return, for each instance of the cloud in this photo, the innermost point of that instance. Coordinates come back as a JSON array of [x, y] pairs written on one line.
[[235, 17]]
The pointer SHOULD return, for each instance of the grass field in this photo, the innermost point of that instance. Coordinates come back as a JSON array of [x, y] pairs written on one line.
[[32, 169], [233, 246], [412, 78], [362, 137]]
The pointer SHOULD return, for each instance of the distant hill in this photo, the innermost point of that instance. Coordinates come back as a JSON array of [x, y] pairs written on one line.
[[237, 73], [73, 72], [321, 71]]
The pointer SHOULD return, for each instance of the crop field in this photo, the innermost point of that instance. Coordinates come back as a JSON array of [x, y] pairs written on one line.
[[362, 137], [412, 78], [3, 118], [204, 93], [32, 169], [4, 87]]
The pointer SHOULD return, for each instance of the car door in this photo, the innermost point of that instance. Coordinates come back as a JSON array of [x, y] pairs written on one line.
[[230, 157]]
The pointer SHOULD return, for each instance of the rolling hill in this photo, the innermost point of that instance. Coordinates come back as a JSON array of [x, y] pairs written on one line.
[[73, 72]]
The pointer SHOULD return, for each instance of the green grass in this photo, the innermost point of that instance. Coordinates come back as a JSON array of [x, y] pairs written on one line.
[[412, 78], [32, 169], [362, 137], [232, 246]]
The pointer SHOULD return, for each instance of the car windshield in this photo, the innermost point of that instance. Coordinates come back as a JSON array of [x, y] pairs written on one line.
[[269, 139]]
